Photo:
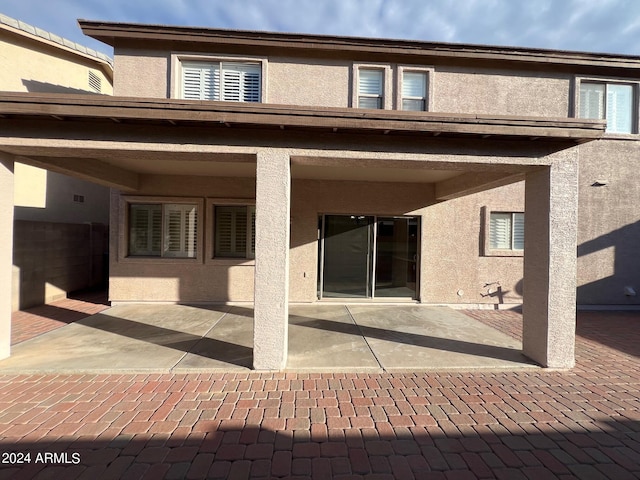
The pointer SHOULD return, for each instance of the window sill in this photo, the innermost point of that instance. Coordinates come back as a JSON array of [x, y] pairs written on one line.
[[160, 260], [231, 262], [504, 253]]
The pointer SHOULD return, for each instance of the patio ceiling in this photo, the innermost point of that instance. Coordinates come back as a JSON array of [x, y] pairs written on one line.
[[114, 140]]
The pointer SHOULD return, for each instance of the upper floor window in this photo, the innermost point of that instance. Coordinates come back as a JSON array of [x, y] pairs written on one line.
[[506, 231], [370, 88], [611, 101], [228, 81], [414, 91]]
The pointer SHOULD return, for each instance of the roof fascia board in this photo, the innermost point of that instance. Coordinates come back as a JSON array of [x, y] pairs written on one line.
[[121, 33]]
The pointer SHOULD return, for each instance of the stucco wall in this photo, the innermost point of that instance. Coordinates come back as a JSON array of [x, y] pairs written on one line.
[[328, 83], [53, 259], [451, 250], [501, 92], [37, 67], [609, 222]]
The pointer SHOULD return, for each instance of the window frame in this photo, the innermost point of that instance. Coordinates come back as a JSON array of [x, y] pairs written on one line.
[[178, 58], [210, 257], [606, 81], [387, 87], [428, 99], [124, 225], [500, 252]]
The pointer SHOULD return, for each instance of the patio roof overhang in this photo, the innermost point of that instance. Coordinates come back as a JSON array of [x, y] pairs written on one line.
[[104, 139]]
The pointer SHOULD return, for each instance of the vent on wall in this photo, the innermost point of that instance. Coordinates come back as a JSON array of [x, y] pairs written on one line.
[[78, 198], [95, 83]]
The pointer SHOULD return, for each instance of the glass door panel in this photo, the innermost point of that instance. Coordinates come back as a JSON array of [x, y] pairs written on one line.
[[396, 257], [347, 256]]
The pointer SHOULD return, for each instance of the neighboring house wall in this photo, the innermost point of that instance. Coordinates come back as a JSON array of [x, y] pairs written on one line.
[[51, 209]]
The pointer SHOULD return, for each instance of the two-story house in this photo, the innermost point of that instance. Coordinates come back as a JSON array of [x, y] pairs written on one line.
[[61, 222], [271, 168]]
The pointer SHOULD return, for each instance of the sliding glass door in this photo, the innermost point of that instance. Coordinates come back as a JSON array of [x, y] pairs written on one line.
[[363, 256]]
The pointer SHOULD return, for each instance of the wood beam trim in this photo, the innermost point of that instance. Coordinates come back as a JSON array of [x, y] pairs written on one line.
[[91, 170]]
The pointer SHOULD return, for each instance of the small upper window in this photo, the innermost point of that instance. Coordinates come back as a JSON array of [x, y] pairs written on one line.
[[414, 91], [506, 231], [228, 81], [370, 88], [610, 101]]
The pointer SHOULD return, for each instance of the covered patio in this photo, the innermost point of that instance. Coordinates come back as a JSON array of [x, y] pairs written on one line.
[[322, 338], [132, 144]]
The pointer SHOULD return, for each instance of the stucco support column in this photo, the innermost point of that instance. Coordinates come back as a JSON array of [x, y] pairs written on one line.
[[6, 251], [551, 222], [271, 284]]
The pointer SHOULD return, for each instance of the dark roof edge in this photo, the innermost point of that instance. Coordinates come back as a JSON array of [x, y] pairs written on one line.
[[172, 110], [108, 32]]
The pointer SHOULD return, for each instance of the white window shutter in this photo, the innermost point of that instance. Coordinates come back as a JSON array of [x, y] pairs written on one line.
[[144, 230], [240, 81], [201, 80], [224, 232], [592, 100], [251, 219], [619, 108], [370, 88], [180, 231], [518, 231], [500, 231], [414, 91]]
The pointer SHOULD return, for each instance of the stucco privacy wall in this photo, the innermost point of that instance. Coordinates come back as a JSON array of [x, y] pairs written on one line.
[[51, 259]]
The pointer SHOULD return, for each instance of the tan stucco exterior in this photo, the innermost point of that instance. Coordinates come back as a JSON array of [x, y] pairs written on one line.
[[500, 136], [57, 203]]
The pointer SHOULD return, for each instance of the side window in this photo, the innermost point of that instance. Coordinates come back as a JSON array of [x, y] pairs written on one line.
[[414, 91], [235, 231], [506, 231], [611, 101], [370, 88]]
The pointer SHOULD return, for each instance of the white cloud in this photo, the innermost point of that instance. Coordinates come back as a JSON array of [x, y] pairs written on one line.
[[589, 25]]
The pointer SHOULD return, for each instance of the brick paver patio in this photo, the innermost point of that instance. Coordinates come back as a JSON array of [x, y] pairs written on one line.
[[531, 424]]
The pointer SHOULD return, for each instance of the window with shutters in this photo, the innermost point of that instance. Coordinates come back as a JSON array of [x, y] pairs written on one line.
[[614, 102], [506, 231], [234, 231], [370, 88], [231, 81], [163, 230], [414, 91]]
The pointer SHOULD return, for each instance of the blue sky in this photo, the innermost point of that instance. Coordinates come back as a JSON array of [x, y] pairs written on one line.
[[611, 26]]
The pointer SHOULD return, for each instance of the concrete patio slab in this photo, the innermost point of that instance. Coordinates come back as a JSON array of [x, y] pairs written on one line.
[[325, 338], [125, 338], [417, 337], [180, 338], [226, 346]]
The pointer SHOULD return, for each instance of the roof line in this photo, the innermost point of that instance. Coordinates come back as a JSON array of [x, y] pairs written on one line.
[[52, 37], [110, 32]]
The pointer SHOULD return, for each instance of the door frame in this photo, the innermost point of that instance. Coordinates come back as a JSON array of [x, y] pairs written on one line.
[[371, 266]]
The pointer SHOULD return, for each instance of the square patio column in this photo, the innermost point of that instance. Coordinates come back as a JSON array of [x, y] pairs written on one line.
[[551, 223], [271, 281], [6, 251]]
